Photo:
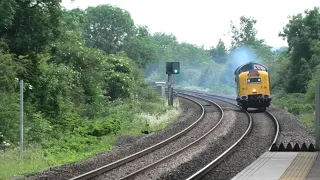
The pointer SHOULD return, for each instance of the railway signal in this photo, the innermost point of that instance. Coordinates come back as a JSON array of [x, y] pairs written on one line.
[[171, 68]]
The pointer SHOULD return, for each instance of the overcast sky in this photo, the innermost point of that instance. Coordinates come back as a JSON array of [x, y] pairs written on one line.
[[204, 22]]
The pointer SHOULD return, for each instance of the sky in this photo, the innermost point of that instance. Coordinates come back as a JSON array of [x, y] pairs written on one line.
[[204, 22]]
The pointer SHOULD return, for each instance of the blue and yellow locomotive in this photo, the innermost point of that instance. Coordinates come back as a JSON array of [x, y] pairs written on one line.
[[252, 86]]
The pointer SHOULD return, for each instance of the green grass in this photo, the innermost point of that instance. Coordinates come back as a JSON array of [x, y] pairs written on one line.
[[37, 159], [298, 105], [308, 120], [11, 164], [152, 122], [156, 123]]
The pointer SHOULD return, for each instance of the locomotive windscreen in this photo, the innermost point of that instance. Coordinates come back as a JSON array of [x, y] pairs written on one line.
[[259, 67], [250, 66]]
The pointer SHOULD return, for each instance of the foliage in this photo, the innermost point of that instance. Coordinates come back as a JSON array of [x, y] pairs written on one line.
[[295, 103], [29, 26], [245, 35], [302, 34], [141, 48], [310, 94], [9, 98], [108, 28], [219, 53]]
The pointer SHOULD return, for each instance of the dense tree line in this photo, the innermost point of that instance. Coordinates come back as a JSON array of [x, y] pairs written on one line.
[[303, 37], [79, 68]]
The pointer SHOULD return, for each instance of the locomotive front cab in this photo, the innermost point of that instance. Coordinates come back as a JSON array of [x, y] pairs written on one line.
[[253, 86]]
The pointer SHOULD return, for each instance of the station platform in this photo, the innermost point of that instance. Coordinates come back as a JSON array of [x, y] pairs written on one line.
[[283, 166]]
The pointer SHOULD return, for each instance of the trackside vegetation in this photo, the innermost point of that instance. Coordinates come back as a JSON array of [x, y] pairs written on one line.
[[84, 84], [88, 72]]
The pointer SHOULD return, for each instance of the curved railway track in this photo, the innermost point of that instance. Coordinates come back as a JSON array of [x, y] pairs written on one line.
[[203, 171], [134, 156], [224, 155], [233, 101], [132, 175]]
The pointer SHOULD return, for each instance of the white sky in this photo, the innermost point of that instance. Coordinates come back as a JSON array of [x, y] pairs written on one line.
[[204, 22]]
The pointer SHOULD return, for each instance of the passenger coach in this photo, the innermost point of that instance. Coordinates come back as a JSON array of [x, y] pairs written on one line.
[[253, 86]]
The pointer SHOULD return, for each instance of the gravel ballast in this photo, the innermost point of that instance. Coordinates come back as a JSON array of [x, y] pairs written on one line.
[[248, 151], [126, 146], [234, 125], [291, 129], [211, 118]]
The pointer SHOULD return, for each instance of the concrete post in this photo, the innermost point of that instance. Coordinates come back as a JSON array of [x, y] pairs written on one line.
[[21, 118], [317, 109]]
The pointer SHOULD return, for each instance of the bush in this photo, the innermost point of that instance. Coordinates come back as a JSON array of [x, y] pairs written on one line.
[[100, 128], [295, 103]]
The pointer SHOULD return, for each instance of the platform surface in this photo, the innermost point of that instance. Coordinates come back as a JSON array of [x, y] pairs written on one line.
[[283, 166]]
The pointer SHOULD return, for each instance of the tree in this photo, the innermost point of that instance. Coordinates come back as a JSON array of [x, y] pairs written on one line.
[[245, 38], [219, 53], [108, 28], [302, 34], [28, 26], [7, 9], [246, 34], [141, 47]]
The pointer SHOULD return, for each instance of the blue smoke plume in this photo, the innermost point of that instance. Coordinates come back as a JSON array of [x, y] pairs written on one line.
[[242, 56]]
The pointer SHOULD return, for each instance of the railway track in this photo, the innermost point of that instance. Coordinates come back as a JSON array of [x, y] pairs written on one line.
[[119, 163], [180, 166], [232, 100], [211, 162], [202, 172]]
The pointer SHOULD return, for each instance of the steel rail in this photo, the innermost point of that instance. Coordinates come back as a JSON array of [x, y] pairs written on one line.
[[143, 152], [275, 120], [133, 174], [277, 127], [217, 160]]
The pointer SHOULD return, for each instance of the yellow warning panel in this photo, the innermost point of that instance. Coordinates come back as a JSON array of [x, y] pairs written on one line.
[[300, 167]]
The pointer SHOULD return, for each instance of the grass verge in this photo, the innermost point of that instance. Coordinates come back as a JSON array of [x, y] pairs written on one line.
[[38, 159], [296, 104]]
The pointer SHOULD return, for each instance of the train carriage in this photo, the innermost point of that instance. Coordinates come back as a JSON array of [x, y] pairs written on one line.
[[252, 86]]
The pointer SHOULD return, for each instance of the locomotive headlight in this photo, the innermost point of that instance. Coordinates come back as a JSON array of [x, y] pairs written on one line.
[[254, 90]]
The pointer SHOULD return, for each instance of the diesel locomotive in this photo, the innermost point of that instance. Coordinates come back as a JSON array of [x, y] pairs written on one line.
[[252, 86]]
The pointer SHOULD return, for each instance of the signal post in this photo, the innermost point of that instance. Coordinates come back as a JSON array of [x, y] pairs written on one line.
[[171, 68]]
